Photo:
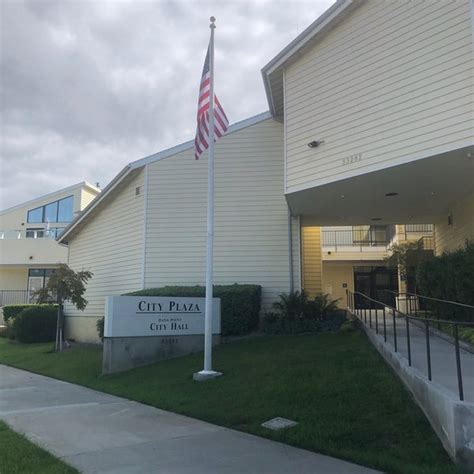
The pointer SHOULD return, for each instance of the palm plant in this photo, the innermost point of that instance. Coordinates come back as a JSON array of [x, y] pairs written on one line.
[[292, 306]]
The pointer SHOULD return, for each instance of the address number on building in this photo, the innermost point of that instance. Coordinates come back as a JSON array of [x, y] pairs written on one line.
[[349, 160]]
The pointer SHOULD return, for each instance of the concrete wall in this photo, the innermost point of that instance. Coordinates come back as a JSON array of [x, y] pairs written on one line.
[[390, 84], [451, 237], [451, 419]]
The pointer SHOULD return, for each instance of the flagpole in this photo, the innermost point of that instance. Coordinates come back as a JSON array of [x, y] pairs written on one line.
[[207, 372]]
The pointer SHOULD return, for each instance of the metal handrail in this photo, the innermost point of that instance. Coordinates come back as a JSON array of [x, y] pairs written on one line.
[[455, 325], [430, 298]]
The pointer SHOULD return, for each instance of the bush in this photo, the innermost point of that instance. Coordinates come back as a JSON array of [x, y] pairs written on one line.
[[100, 327], [12, 310], [295, 314], [240, 304], [36, 324], [275, 324], [449, 276]]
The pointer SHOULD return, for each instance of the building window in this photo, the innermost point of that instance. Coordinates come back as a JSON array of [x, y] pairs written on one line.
[[51, 212], [57, 211], [34, 233], [35, 216], [65, 209], [38, 278]]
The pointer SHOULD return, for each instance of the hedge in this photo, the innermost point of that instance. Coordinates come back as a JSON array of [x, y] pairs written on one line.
[[240, 304], [36, 324], [12, 310], [449, 276], [275, 324]]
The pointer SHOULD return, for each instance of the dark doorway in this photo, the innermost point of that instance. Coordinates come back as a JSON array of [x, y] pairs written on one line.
[[373, 282]]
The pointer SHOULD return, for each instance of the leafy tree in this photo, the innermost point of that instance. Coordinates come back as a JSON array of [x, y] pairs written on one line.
[[64, 285], [407, 256]]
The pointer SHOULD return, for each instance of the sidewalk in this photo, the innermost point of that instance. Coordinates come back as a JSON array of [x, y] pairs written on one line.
[[100, 433]]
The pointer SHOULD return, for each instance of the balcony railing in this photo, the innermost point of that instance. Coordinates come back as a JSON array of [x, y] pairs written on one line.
[[354, 238], [17, 297], [419, 228], [10, 234]]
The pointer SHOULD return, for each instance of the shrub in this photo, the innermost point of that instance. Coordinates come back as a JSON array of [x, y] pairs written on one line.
[[100, 327], [295, 314], [240, 304], [449, 276], [292, 306], [12, 310], [274, 324], [322, 307], [36, 324]]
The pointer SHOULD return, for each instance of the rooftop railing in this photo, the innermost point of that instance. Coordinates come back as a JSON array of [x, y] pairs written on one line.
[[11, 234]]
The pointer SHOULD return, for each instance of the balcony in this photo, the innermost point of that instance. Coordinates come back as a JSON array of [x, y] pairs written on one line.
[[355, 244], [408, 232], [31, 247]]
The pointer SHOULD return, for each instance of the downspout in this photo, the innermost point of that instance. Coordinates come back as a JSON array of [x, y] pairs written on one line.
[[145, 223], [290, 253]]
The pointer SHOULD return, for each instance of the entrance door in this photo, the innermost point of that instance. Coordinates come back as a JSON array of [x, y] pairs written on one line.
[[373, 282]]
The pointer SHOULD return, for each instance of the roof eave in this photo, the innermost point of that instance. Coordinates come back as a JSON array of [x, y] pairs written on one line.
[[292, 49], [63, 238]]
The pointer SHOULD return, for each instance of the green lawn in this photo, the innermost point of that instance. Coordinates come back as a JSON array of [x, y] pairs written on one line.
[[18, 455], [346, 400]]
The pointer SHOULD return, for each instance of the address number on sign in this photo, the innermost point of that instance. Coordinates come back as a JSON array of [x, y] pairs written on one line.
[[349, 160]]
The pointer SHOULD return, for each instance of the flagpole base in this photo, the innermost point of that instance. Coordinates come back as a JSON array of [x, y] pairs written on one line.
[[206, 375]]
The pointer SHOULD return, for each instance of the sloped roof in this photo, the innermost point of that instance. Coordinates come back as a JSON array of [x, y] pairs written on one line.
[[82, 184], [135, 165]]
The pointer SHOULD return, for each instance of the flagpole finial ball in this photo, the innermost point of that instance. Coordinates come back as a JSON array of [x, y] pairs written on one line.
[[212, 19]]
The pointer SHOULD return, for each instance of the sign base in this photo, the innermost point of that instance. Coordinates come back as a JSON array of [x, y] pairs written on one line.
[[124, 353], [206, 375]]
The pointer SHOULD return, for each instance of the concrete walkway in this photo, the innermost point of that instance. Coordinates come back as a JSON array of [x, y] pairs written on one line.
[[443, 357], [96, 432]]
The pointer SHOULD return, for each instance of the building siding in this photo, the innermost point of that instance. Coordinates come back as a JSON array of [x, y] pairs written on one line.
[[251, 215], [391, 83], [110, 245], [335, 275], [451, 237], [312, 268]]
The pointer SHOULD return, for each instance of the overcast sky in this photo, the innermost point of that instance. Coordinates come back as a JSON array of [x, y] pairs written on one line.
[[88, 86]]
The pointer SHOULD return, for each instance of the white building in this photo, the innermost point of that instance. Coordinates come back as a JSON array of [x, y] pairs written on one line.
[[383, 93], [28, 232]]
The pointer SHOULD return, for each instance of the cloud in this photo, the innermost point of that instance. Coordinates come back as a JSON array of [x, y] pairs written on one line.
[[87, 87]]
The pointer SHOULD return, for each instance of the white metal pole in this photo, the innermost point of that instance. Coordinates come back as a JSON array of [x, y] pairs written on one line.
[[210, 215]]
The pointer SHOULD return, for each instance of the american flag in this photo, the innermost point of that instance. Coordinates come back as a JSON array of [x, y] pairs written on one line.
[[201, 142]]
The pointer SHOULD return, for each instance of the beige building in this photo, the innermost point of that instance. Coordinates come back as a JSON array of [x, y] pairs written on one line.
[[370, 126], [28, 232]]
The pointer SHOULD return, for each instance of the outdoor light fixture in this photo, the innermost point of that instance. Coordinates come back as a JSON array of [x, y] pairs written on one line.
[[315, 143], [376, 219], [391, 194]]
